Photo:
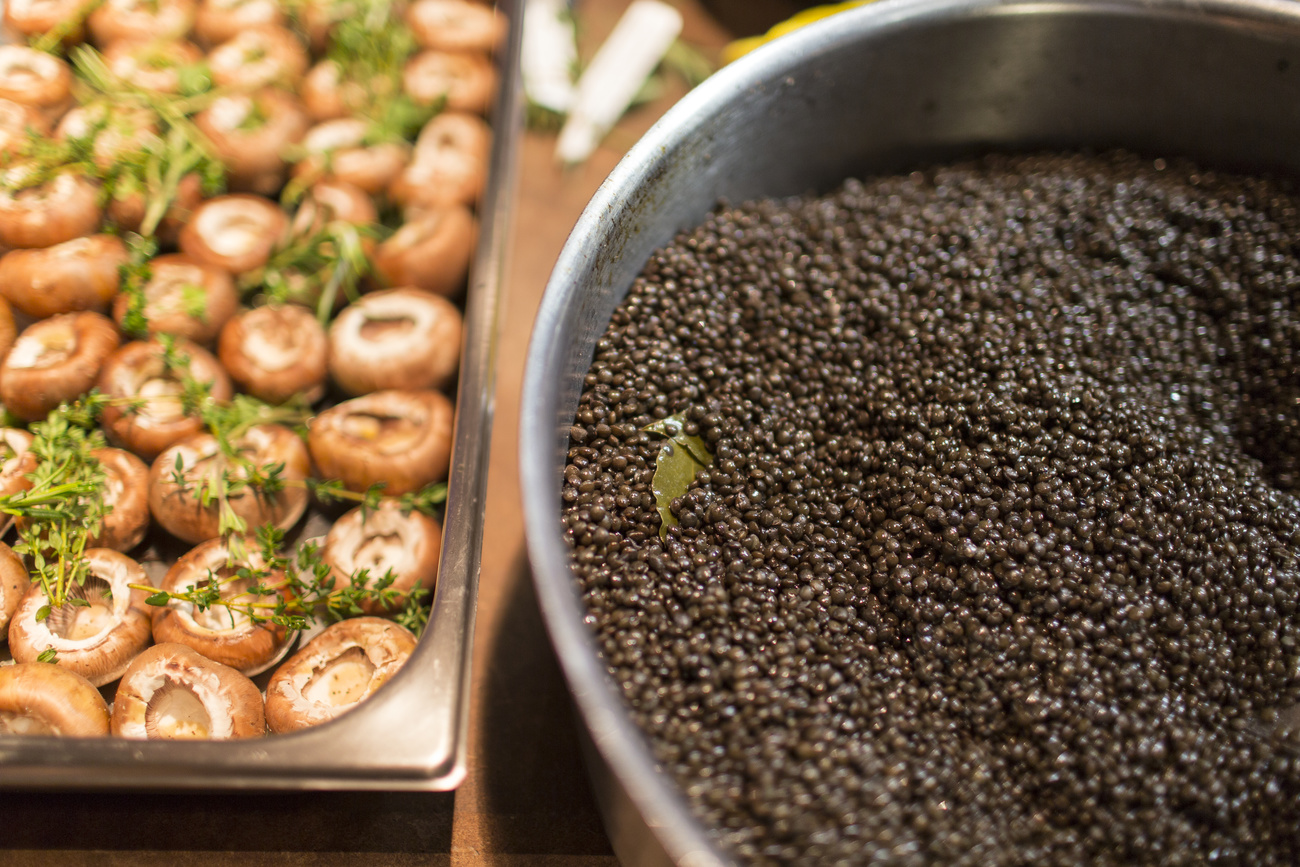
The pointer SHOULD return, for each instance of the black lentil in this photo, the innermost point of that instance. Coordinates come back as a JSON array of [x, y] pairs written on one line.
[[996, 562]]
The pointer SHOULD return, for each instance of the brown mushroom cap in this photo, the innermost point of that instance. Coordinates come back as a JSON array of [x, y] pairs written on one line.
[[41, 699], [276, 352], [8, 330], [172, 692], [219, 20], [221, 633], [138, 370], [117, 130], [126, 490], [328, 200], [17, 460], [235, 232], [16, 122], [30, 18], [461, 81], [401, 338], [400, 439], [267, 55], [64, 207], [55, 360], [250, 133], [128, 208], [456, 25], [35, 78], [97, 640], [336, 671], [449, 165], [152, 64], [113, 20], [184, 297], [382, 542], [432, 251], [14, 582], [183, 512], [81, 274], [336, 149]]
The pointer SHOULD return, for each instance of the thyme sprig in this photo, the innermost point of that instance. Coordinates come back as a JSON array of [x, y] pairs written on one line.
[[156, 169], [313, 268], [304, 588], [63, 508]]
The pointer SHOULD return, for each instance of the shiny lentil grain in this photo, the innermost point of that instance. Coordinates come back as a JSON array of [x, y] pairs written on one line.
[[996, 562]]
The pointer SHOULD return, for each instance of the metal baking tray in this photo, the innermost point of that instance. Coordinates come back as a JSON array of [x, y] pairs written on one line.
[[411, 734]]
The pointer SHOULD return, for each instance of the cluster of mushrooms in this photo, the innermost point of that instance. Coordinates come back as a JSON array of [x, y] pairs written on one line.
[[215, 210]]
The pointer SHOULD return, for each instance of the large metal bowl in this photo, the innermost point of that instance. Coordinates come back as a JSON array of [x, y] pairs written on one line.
[[884, 87]]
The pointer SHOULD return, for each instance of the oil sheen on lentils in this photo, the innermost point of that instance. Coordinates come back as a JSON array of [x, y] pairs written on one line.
[[996, 559]]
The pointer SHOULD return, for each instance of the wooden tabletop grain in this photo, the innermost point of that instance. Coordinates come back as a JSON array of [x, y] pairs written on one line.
[[525, 799]]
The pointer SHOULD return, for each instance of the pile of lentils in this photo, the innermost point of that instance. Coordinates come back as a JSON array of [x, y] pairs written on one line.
[[996, 560]]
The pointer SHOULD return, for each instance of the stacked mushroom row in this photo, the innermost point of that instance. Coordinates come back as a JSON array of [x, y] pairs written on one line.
[[233, 237]]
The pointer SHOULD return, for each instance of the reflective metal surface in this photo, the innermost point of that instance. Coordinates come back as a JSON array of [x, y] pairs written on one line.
[[894, 84], [411, 735]]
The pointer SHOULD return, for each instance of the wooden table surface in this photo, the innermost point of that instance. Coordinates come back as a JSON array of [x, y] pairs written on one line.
[[525, 799]]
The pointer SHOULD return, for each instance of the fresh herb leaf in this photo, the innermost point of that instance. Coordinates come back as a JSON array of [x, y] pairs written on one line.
[[681, 458]]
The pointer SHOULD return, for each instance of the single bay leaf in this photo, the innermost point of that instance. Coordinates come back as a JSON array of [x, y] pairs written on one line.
[[679, 461]]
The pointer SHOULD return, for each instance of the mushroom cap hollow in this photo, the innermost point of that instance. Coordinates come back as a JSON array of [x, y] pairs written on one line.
[[400, 439], [235, 232], [14, 583], [126, 489], [139, 370], [336, 671], [173, 692], [55, 360], [220, 633], [81, 274], [97, 640], [385, 541], [399, 338], [276, 352], [187, 514], [43, 699]]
